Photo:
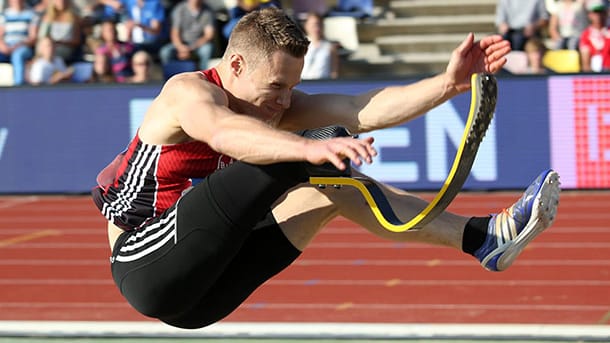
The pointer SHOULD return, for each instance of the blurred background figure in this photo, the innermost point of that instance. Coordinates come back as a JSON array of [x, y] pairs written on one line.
[[519, 20], [47, 67], [144, 21], [117, 52], [322, 57], [192, 34], [535, 49], [62, 25], [141, 63], [594, 44], [18, 30], [102, 70], [242, 8], [567, 22]]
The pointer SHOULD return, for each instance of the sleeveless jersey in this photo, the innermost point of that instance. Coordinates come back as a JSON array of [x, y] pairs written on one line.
[[147, 179]]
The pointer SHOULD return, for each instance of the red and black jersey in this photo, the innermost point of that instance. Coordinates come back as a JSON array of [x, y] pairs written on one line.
[[147, 179]]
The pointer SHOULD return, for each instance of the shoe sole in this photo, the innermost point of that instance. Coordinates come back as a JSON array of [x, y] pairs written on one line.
[[544, 211]]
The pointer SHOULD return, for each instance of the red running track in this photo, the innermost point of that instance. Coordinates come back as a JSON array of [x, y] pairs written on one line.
[[55, 267]]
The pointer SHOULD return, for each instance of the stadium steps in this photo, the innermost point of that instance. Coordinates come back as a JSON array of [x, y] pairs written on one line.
[[416, 36], [413, 8]]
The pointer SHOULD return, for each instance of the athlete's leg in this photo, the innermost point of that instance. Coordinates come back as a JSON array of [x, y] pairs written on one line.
[[164, 268], [303, 211], [495, 240], [264, 253]]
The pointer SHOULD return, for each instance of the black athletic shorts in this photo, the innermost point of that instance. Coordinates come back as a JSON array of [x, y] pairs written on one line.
[[200, 259]]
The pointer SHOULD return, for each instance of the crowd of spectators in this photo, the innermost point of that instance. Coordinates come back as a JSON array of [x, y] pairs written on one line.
[[123, 41], [564, 28], [53, 41]]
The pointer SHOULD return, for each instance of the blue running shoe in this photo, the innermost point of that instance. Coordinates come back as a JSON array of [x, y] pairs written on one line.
[[511, 230]]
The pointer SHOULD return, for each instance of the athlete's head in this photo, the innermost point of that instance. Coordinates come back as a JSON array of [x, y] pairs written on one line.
[[261, 33], [264, 57]]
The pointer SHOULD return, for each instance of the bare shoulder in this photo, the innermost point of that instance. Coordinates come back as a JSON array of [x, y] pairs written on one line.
[[189, 86], [180, 94]]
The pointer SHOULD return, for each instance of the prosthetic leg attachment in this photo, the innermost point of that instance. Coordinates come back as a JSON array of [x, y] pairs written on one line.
[[484, 94]]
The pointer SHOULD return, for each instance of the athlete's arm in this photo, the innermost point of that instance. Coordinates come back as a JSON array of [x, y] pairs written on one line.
[[397, 104], [200, 111]]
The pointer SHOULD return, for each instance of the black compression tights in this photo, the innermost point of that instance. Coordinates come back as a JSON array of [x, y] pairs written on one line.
[[217, 259]]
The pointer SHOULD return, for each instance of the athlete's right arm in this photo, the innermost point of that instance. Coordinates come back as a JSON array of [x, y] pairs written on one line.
[[200, 109]]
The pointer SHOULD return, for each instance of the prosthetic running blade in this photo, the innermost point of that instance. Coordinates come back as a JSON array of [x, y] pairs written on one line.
[[484, 93]]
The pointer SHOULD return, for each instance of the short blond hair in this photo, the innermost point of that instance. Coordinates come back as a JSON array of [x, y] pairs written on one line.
[[262, 32]]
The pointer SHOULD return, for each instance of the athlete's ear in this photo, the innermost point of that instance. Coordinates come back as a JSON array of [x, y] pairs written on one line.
[[236, 61]]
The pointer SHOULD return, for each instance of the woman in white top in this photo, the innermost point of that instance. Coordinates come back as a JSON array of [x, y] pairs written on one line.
[[62, 25], [48, 68], [322, 59], [568, 21]]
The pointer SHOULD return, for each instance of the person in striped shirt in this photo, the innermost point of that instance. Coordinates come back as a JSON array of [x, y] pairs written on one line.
[[18, 30]]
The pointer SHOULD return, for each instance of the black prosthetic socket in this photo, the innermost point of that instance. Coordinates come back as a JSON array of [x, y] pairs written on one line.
[[326, 169], [475, 234]]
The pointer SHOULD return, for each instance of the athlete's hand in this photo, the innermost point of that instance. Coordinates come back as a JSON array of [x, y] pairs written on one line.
[[335, 150], [487, 55]]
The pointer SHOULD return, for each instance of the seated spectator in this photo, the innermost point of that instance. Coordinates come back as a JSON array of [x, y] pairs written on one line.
[[62, 25], [102, 70], [519, 20], [141, 63], [242, 8], [18, 30], [119, 53], [192, 34], [535, 50], [594, 44], [322, 59], [144, 21], [47, 67], [568, 20]]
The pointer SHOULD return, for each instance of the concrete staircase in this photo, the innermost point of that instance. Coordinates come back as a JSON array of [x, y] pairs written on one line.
[[415, 37]]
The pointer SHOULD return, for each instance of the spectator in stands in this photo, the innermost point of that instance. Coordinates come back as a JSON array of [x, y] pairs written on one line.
[[144, 20], [535, 49], [242, 8], [567, 22], [192, 34], [141, 63], [18, 30], [322, 59], [119, 53], [47, 67], [102, 70], [63, 26], [594, 44], [519, 20]]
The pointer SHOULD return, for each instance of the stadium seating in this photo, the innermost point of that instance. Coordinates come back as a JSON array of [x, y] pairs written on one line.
[[562, 61]]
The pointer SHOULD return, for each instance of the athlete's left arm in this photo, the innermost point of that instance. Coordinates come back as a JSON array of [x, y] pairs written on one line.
[[394, 105]]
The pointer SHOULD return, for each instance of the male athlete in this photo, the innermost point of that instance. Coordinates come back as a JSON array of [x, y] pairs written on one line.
[[190, 255]]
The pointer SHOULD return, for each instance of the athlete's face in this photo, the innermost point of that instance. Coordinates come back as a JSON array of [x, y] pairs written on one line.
[[267, 86]]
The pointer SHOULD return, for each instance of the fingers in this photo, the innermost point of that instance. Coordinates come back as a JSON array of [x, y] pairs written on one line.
[[357, 150], [466, 44]]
